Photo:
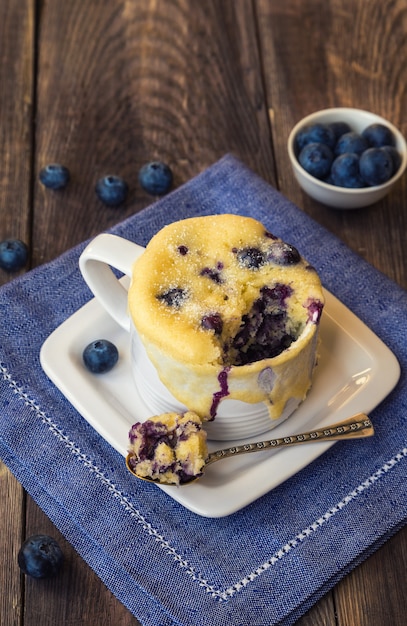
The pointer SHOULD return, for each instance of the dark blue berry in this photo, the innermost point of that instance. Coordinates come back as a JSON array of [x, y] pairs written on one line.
[[214, 322], [155, 178], [13, 255], [345, 171], [183, 250], [174, 297], [395, 157], [351, 142], [339, 128], [315, 133], [213, 274], [112, 190], [283, 253], [54, 176], [316, 159], [252, 258], [100, 356], [379, 135], [376, 166], [40, 557]]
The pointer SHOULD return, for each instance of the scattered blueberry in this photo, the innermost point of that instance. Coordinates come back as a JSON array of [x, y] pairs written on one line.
[[214, 322], [13, 254], [283, 253], [316, 159], [100, 356], [351, 142], [345, 171], [156, 178], [173, 297], [376, 166], [183, 250], [54, 176], [40, 557], [251, 258], [111, 190], [315, 133], [378, 135]]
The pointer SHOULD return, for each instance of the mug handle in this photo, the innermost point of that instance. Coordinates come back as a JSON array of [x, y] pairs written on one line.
[[100, 255]]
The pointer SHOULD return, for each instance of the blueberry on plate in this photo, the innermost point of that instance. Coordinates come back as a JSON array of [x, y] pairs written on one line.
[[379, 135], [376, 166], [54, 176], [111, 190], [315, 133], [40, 557], [13, 254], [345, 171], [155, 178], [100, 356], [316, 159], [351, 142]]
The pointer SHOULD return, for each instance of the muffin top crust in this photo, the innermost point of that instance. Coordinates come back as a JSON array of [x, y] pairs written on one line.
[[222, 290]]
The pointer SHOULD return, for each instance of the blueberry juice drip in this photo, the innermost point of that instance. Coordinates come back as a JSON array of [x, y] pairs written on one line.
[[264, 332], [222, 393]]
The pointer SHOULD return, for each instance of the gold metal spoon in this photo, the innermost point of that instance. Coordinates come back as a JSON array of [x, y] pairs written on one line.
[[356, 427]]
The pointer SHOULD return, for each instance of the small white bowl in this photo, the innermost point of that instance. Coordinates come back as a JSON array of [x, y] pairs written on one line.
[[341, 197]]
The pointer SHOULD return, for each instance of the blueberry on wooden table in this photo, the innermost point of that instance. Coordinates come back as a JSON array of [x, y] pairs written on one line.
[[155, 178], [13, 254], [100, 356], [40, 557], [112, 190], [54, 176]]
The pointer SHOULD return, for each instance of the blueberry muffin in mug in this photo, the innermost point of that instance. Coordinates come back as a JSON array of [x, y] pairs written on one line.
[[226, 310]]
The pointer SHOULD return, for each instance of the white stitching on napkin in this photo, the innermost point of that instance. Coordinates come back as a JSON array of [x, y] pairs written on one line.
[[229, 592]]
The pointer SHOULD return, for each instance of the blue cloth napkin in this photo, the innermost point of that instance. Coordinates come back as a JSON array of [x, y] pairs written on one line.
[[266, 564]]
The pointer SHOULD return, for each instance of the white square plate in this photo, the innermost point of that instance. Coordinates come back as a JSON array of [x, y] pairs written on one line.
[[355, 372]]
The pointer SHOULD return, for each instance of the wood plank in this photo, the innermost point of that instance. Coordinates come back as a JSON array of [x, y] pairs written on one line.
[[344, 53], [16, 104], [158, 81], [374, 593]]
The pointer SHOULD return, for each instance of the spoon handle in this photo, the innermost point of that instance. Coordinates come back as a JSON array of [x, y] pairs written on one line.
[[355, 427]]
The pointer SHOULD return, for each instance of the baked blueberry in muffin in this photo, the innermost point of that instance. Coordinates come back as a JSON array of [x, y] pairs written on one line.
[[219, 302], [170, 448]]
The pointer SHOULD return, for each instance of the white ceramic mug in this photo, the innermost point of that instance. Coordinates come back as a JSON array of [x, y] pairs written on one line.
[[234, 419]]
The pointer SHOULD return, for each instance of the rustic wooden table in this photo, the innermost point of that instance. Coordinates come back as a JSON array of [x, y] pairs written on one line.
[[105, 86]]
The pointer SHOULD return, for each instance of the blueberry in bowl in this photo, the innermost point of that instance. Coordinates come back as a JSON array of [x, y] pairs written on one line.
[[352, 181]]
